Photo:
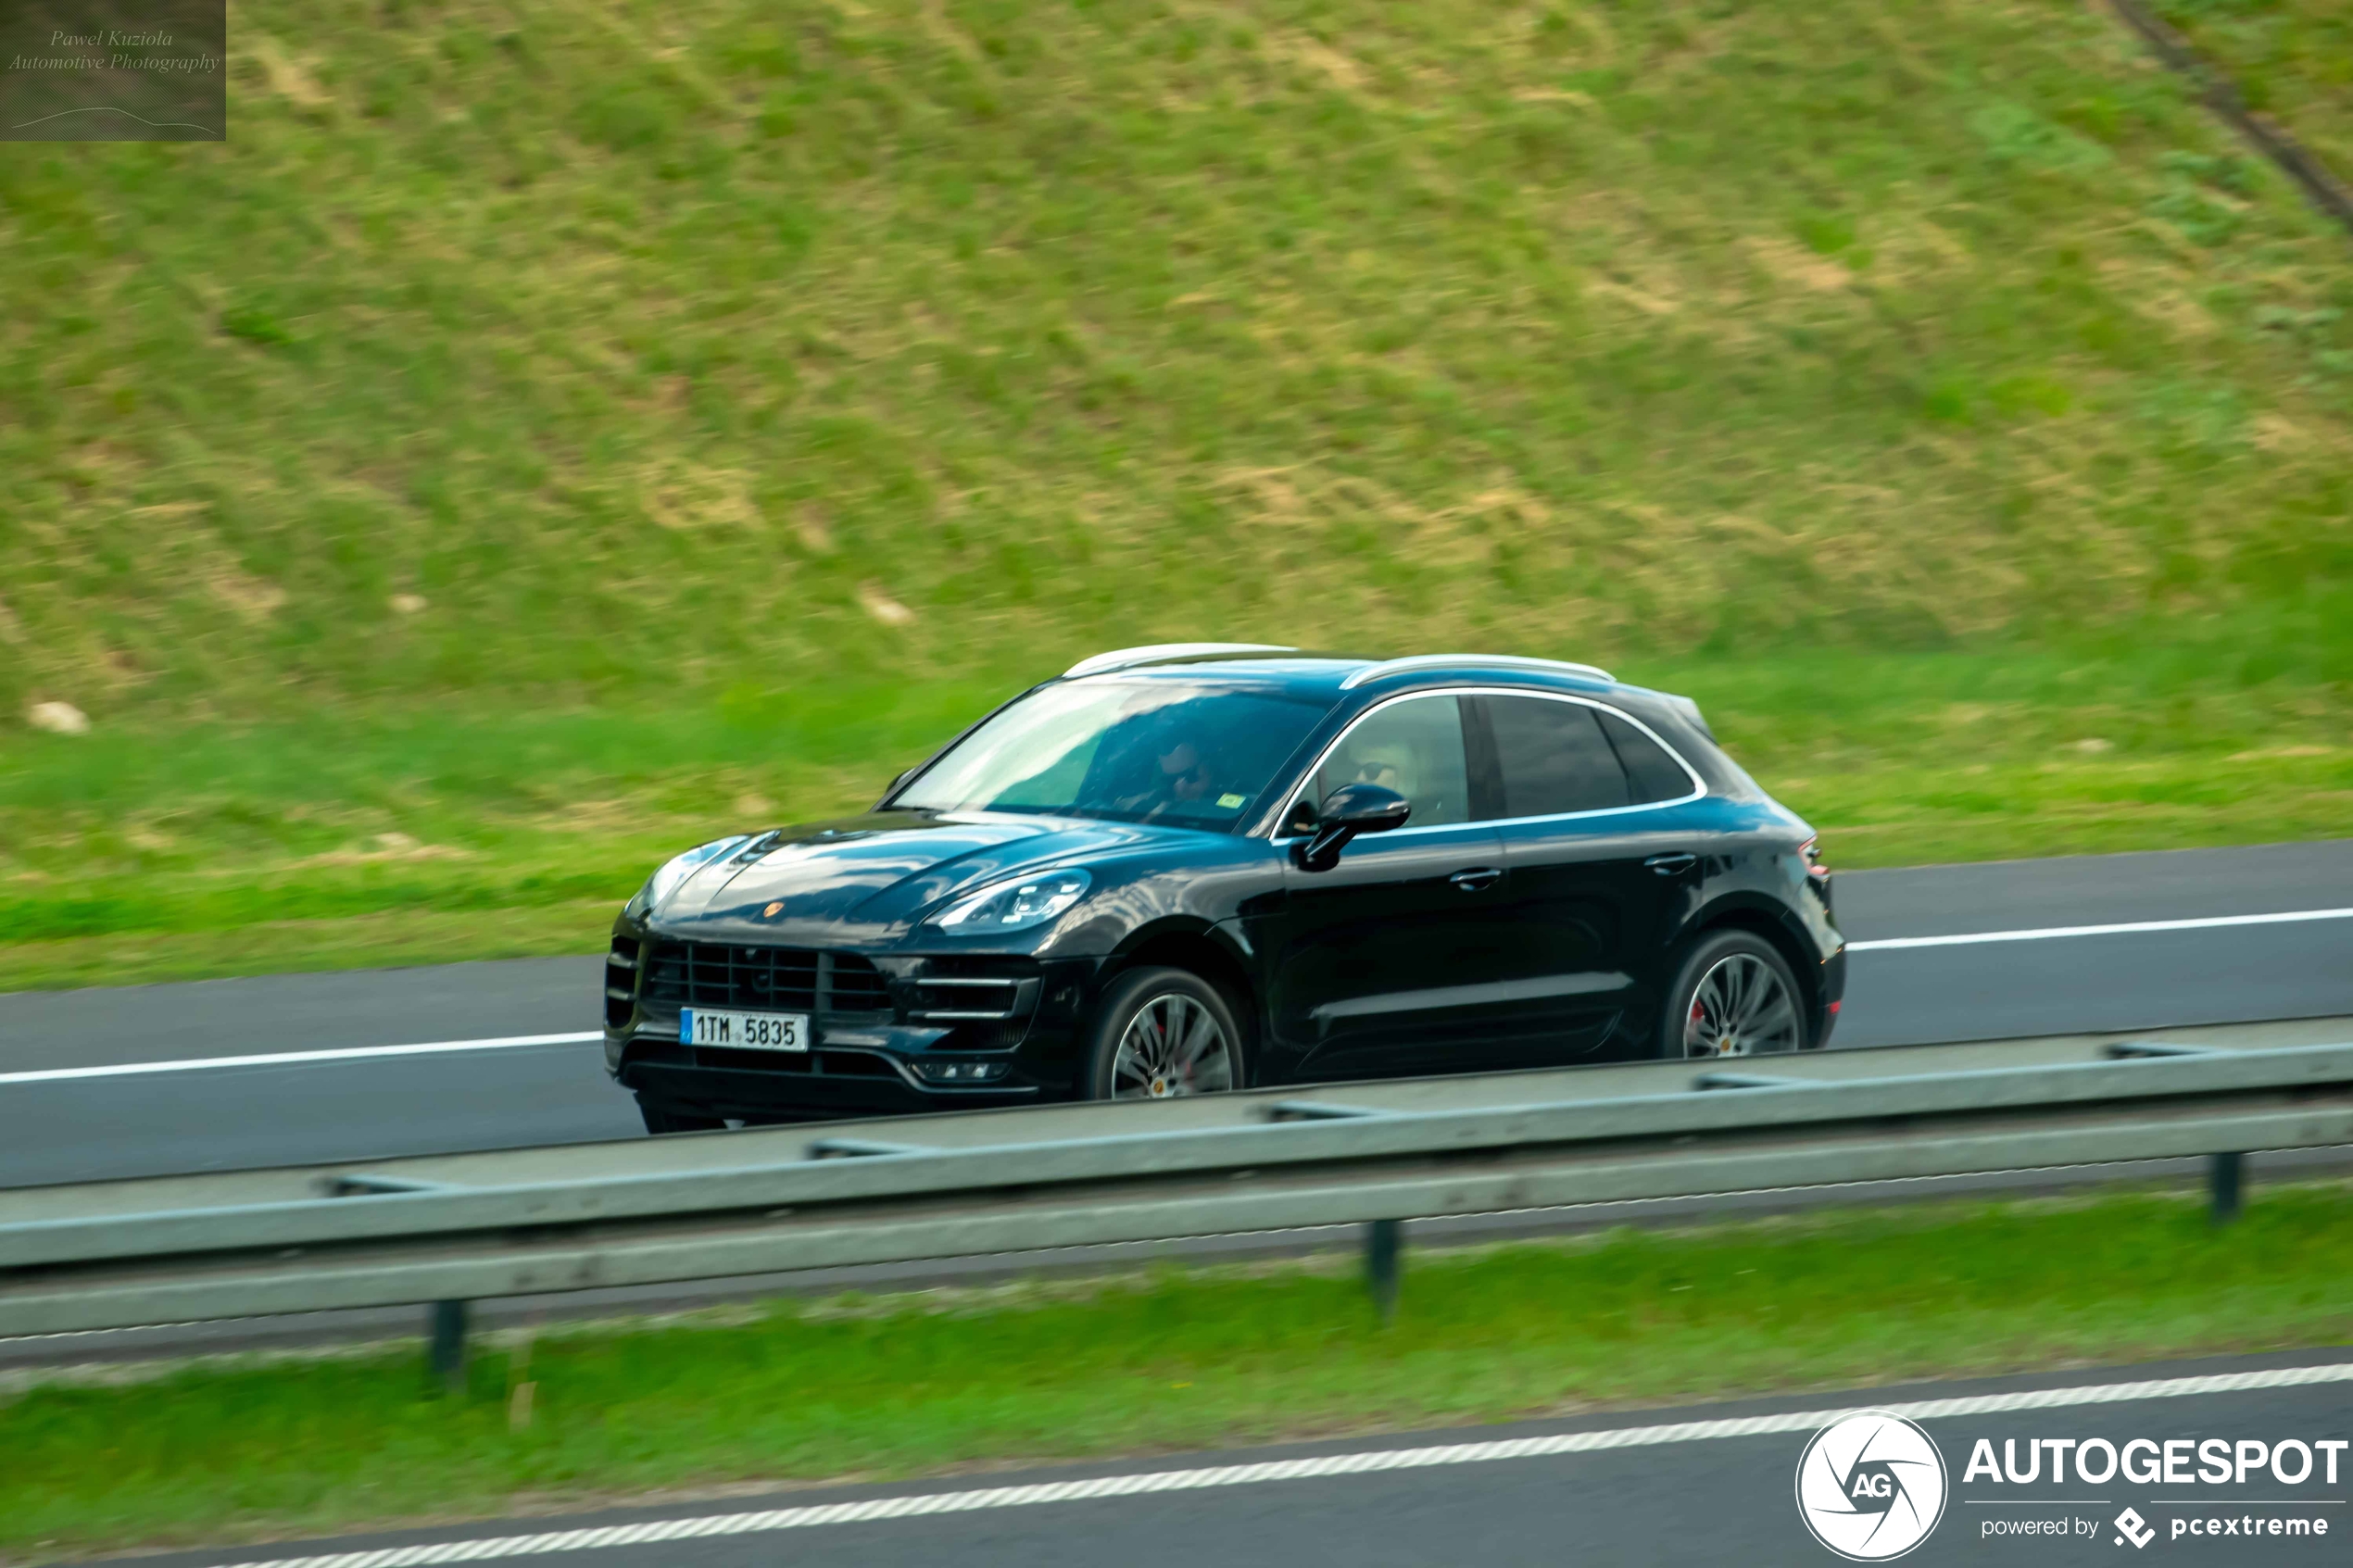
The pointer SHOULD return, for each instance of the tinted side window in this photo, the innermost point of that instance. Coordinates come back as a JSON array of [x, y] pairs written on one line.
[[1553, 758], [1653, 774], [1414, 748]]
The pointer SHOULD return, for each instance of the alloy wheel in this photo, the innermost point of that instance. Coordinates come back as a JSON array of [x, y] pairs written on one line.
[[1740, 1008], [1172, 1046]]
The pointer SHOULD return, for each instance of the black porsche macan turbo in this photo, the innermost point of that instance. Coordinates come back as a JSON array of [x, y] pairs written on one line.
[[1196, 867]]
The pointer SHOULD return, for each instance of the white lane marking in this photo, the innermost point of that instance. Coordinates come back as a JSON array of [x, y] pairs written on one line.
[[2046, 933], [360, 1053], [274, 1058], [660, 1530]]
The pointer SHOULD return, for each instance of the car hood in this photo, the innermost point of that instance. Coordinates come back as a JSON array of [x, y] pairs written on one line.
[[866, 875]]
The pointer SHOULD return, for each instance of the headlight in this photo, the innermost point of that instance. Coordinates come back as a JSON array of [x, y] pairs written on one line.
[[1012, 906], [674, 872]]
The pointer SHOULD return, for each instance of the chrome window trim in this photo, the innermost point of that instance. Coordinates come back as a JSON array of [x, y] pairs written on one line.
[[1434, 660], [1291, 802]]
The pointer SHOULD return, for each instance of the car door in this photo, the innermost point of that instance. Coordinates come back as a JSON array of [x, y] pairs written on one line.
[[1583, 804], [1389, 961]]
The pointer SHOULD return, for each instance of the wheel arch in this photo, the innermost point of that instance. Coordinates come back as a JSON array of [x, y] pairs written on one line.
[[1202, 948], [1764, 918]]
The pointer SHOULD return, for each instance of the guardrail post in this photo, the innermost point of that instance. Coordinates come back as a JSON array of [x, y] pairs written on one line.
[[1383, 1240], [447, 1356], [2226, 1179]]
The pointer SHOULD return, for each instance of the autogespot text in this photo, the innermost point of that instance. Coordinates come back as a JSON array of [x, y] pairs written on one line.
[[2185, 1463]]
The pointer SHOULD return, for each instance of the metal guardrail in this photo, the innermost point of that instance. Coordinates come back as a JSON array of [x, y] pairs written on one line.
[[457, 1228]]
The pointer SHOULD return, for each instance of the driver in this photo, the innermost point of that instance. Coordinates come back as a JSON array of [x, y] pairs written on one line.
[[1178, 776], [1183, 773]]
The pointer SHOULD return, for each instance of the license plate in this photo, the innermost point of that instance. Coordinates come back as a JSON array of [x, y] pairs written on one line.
[[745, 1031]]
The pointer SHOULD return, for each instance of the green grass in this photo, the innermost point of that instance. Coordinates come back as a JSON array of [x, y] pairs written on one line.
[[2292, 60], [357, 838], [549, 423], [905, 1385]]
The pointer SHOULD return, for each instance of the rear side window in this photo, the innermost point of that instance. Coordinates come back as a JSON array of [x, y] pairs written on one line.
[[1650, 773], [1552, 758]]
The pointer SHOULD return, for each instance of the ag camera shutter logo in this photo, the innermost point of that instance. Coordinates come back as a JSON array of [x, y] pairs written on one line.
[[1870, 1487]]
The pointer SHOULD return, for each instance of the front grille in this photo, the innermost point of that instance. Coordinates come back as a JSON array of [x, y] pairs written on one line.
[[857, 986], [821, 1063], [825, 1064], [721, 975]]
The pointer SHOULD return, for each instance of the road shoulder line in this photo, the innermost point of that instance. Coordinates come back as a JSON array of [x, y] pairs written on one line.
[[2126, 928], [279, 1058], [1370, 1462]]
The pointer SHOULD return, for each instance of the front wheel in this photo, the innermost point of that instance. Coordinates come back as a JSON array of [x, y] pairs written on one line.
[[1161, 1033], [1733, 995]]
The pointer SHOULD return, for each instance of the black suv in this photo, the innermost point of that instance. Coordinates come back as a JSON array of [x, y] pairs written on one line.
[[1206, 866]]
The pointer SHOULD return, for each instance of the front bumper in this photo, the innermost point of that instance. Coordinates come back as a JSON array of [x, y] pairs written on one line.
[[783, 1095], [1820, 919], [886, 1025], [1832, 995]]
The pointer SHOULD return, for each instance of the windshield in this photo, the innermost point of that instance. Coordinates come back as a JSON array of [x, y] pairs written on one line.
[[1187, 754]]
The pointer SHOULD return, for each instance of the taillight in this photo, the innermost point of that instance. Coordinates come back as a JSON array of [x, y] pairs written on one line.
[[1810, 852]]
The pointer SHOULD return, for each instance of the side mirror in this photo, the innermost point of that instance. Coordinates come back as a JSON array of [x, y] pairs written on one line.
[[1349, 810]]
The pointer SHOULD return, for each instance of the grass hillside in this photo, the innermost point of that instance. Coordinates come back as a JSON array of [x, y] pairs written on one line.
[[2292, 60], [552, 427]]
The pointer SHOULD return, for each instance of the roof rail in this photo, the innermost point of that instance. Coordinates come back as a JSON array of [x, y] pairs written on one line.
[[1163, 653], [1429, 660]]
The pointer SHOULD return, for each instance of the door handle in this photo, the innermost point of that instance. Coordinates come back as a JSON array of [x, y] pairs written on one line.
[[1671, 865], [1477, 877]]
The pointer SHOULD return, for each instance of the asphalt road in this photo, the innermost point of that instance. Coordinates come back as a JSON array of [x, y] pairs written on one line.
[[1719, 1486], [275, 1112]]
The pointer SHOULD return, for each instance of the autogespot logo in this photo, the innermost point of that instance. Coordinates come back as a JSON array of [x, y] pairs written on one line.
[[1870, 1487]]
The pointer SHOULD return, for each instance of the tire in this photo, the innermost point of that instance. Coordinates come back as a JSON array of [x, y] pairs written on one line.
[[1131, 1054], [660, 1118], [1733, 995]]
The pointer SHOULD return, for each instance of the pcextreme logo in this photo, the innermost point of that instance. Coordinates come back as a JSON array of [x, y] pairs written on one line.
[[1870, 1487], [2273, 1472]]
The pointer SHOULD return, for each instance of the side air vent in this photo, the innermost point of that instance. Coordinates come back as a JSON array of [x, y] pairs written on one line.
[[621, 981], [972, 991]]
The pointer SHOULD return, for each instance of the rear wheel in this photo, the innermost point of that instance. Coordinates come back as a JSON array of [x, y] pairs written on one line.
[[1733, 995], [1160, 1033], [660, 1118]]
